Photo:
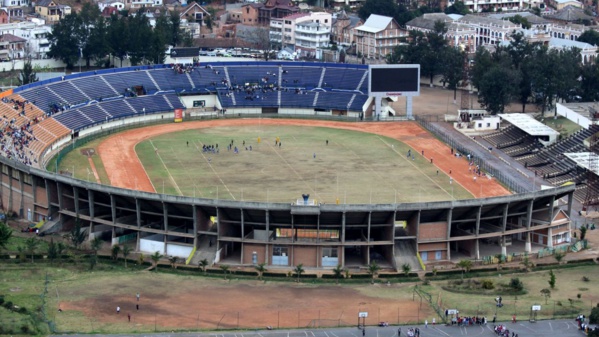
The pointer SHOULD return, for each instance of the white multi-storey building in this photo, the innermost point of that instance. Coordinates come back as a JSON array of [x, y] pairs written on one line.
[[36, 34], [283, 31], [310, 37], [495, 5]]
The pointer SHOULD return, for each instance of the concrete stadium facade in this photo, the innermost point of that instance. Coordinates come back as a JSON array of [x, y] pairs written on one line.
[[320, 236]]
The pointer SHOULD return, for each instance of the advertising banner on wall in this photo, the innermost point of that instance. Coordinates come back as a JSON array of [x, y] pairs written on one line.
[[178, 115]]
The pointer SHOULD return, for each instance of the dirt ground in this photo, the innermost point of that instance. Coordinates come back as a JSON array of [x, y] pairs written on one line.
[[250, 305], [118, 152]]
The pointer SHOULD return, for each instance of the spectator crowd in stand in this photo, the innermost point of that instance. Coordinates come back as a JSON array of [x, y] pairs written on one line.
[[15, 138]]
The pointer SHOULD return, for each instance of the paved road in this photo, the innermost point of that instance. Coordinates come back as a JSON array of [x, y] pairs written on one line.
[[561, 328]]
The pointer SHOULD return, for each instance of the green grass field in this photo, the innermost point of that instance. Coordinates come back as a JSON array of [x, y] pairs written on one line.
[[353, 168]]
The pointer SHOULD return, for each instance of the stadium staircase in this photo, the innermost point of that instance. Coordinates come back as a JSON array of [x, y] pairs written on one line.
[[204, 251], [321, 77], [153, 80], [364, 77], [80, 91], [351, 101], [193, 86], [405, 252], [110, 85], [315, 99]]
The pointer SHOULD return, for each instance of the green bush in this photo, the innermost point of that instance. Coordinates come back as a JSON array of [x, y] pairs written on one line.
[[594, 316], [487, 284], [516, 284]]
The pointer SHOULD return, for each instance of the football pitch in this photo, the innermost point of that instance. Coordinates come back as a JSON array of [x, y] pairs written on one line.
[[352, 167]]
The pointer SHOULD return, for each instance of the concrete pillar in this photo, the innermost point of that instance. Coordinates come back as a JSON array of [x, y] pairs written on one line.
[[33, 195], [504, 218], [550, 237], [92, 207], [570, 201], [267, 250], [527, 245], [476, 249], [377, 108], [113, 208], [343, 239], [409, 107], [478, 213], [22, 190], [503, 246], [551, 209], [368, 239], [76, 199], [10, 189], [194, 210], [138, 212], [242, 235], [529, 214], [165, 216], [449, 216]]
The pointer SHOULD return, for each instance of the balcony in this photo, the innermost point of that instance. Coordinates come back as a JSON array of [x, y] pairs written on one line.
[[312, 30], [313, 38]]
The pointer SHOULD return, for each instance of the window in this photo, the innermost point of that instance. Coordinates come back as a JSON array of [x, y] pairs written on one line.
[[280, 251], [247, 10], [329, 252]]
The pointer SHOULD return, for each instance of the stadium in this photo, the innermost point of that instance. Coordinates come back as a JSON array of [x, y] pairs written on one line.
[[45, 120]]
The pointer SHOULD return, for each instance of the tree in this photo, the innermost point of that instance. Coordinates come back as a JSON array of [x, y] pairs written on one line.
[[594, 316], [497, 88], [5, 235], [156, 258], [559, 257], [458, 7], [381, 7], [546, 293], [95, 244], [126, 250], [60, 249], [520, 52], [373, 269], [583, 232], [589, 82], [64, 40], [27, 74], [590, 36], [406, 268], [452, 69], [225, 269], [500, 259], [299, 270], [260, 268], [545, 75], [118, 37], [52, 251], [173, 261], [465, 265], [31, 245], [338, 272], [140, 259], [526, 263], [203, 264], [114, 252], [77, 235], [551, 279], [520, 20]]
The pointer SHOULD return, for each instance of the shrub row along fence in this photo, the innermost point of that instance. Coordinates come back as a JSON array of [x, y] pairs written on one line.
[[563, 249]]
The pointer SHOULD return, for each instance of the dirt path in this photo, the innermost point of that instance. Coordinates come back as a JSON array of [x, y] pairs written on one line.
[[126, 171]]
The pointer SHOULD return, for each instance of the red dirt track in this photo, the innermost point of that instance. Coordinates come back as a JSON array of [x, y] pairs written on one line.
[[126, 171]]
